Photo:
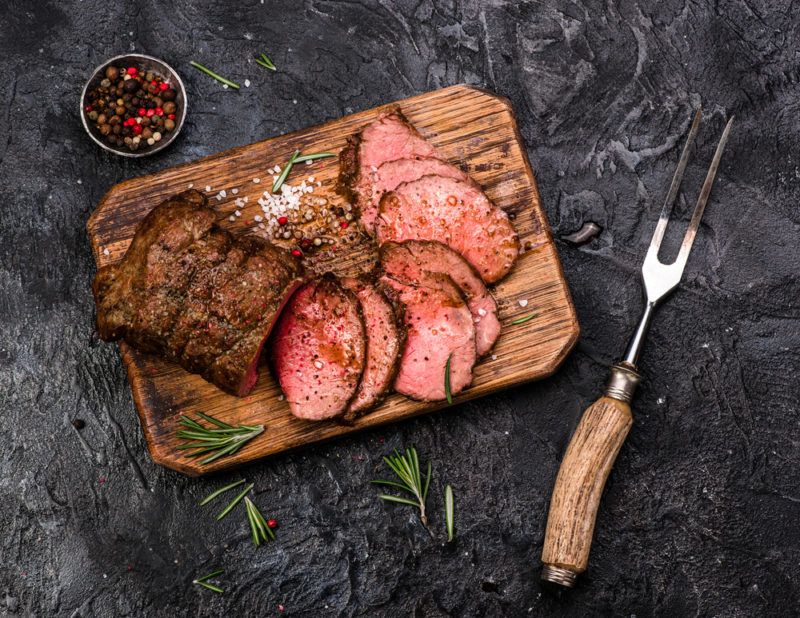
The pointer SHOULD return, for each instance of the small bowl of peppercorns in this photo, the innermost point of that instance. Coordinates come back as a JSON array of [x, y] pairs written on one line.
[[133, 105]]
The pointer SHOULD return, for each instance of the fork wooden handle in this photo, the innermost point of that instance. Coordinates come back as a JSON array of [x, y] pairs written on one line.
[[573, 508]]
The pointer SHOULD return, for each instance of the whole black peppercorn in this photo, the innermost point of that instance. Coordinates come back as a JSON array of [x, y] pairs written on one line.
[[78, 423], [112, 73], [168, 94], [131, 86]]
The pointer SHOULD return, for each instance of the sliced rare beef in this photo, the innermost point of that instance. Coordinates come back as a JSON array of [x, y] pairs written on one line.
[[411, 258], [456, 213], [394, 173], [439, 327], [385, 338], [190, 292], [319, 349], [389, 138]]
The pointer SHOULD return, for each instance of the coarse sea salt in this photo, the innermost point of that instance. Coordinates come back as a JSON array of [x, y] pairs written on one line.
[[523, 302]]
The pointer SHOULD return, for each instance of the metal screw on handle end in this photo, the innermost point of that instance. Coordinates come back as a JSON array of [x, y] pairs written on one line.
[[559, 575], [622, 382]]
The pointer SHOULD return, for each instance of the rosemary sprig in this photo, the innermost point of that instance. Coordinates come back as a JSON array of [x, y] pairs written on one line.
[[286, 169], [216, 76], [203, 581], [447, 391], [219, 492], [297, 158], [527, 318], [448, 513], [406, 467], [265, 62], [258, 525], [234, 502], [224, 440]]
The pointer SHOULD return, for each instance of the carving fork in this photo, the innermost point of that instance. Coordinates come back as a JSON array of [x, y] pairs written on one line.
[[605, 424]]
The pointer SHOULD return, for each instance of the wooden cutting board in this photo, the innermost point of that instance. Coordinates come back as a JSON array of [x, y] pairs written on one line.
[[471, 128]]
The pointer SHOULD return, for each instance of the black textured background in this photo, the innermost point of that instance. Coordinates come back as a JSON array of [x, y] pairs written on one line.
[[701, 513]]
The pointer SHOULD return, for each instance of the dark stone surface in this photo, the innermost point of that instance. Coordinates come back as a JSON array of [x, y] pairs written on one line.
[[700, 515]]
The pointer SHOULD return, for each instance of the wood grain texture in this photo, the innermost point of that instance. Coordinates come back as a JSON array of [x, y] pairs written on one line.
[[579, 485], [472, 128]]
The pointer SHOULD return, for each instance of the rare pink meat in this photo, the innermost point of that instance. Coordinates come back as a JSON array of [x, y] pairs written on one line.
[[439, 327], [385, 338], [389, 138], [319, 348], [456, 213], [411, 258], [394, 173]]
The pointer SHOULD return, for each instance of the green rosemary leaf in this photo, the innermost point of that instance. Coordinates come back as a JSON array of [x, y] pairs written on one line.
[[427, 483], [527, 318], [220, 491], [211, 587], [265, 62], [448, 512], [234, 502], [392, 484], [216, 76], [210, 575], [215, 421], [398, 499], [447, 391], [285, 173], [203, 581], [313, 157]]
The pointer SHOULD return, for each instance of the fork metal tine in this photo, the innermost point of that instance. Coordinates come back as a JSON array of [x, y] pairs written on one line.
[[702, 199], [677, 178]]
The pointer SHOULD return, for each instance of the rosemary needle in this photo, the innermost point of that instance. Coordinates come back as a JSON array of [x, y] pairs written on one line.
[[216, 76], [220, 491], [265, 62], [258, 526], [287, 168], [234, 502], [527, 318], [448, 512], [447, 391], [313, 157], [203, 581]]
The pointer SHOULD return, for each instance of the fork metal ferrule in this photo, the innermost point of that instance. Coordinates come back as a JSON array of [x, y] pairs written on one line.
[[622, 382]]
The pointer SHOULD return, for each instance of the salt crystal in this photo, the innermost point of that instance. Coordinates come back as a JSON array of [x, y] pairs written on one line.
[[256, 180], [481, 312], [106, 251], [231, 218], [223, 193], [225, 86], [208, 188], [247, 83], [258, 218], [234, 191], [190, 185], [494, 356], [317, 364], [238, 213], [523, 302]]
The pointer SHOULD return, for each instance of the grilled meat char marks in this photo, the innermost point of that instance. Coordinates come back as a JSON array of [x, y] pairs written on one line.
[[456, 213], [389, 138], [319, 349], [189, 291], [385, 339], [438, 326], [411, 258]]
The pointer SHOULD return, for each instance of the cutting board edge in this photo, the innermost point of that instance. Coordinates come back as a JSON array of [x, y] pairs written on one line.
[[162, 455]]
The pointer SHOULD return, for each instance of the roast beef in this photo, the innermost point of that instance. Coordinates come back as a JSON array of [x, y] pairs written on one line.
[[319, 349], [389, 138], [188, 291], [411, 258], [394, 173], [456, 213], [385, 338], [439, 327]]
